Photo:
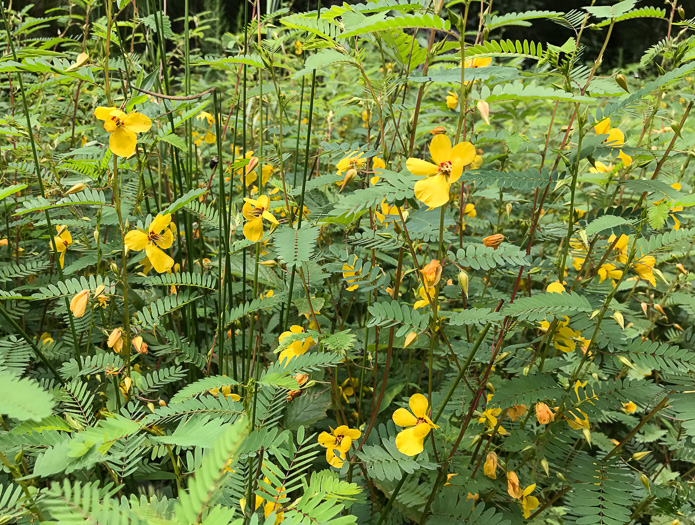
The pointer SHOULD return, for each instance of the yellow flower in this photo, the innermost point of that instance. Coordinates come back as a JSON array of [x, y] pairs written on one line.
[[377, 164], [477, 162], [389, 214], [528, 502], [350, 387], [226, 392], [544, 414], [348, 167], [424, 301], [579, 423], [493, 241], [255, 211], [209, 136], [351, 275], [123, 129], [478, 62], [365, 118], [298, 48], [337, 443], [78, 304], [159, 236], [46, 339], [564, 338], [600, 167], [431, 273], [115, 340], [555, 287], [644, 266], [490, 466], [452, 100], [629, 407], [609, 271], [616, 138], [411, 440], [620, 247], [448, 165], [62, 240], [297, 347]]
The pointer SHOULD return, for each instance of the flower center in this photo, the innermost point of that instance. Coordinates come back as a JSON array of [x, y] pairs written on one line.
[[445, 168], [155, 237], [118, 121], [257, 211], [338, 440]]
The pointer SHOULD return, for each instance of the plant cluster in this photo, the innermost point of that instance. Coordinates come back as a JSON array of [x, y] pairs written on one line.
[[371, 263]]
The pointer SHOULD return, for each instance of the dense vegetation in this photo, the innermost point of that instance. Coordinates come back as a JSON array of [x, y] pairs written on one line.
[[357, 265]]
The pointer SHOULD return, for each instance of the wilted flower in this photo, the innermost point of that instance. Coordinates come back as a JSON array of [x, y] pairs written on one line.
[[78, 304], [544, 414], [139, 345], [493, 241], [490, 466], [115, 340], [516, 412], [431, 273]]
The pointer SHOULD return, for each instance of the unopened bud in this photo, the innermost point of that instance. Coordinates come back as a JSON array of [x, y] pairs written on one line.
[[412, 336], [681, 13], [546, 467], [76, 188], [676, 127], [508, 208], [439, 130], [645, 481], [681, 269], [645, 308], [619, 319], [639, 455], [659, 309], [624, 360], [484, 109], [620, 80], [463, 282]]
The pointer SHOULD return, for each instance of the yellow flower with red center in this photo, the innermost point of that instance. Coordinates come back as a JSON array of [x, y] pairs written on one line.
[[123, 129], [337, 444], [255, 211], [417, 425], [297, 347], [158, 237], [446, 169], [62, 240]]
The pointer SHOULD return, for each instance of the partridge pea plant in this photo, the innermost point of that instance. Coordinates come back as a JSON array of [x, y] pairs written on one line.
[[371, 263]]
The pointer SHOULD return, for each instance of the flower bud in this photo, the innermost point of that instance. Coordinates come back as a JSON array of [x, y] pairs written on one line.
[[76, 188], [620, 80], [484, 109], [508, 208], [463, 282], [681, 13], [619, 319], [681, 269], [546, 467], [412, 336], [439, 130], [640, 455]]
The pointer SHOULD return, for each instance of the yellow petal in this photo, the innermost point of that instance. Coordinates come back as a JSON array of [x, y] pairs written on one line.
[[167, 240], [403, 418], [326, 439], [161, 262], [253, 230], [122, 142], [615, 138], [410, 441], [421, 168], [433, 191], [270, 217], [601, 128], [137, 122], [136, 240], [418, 405], [334, 460], [103, 113], [160, 222], [440, 149]]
